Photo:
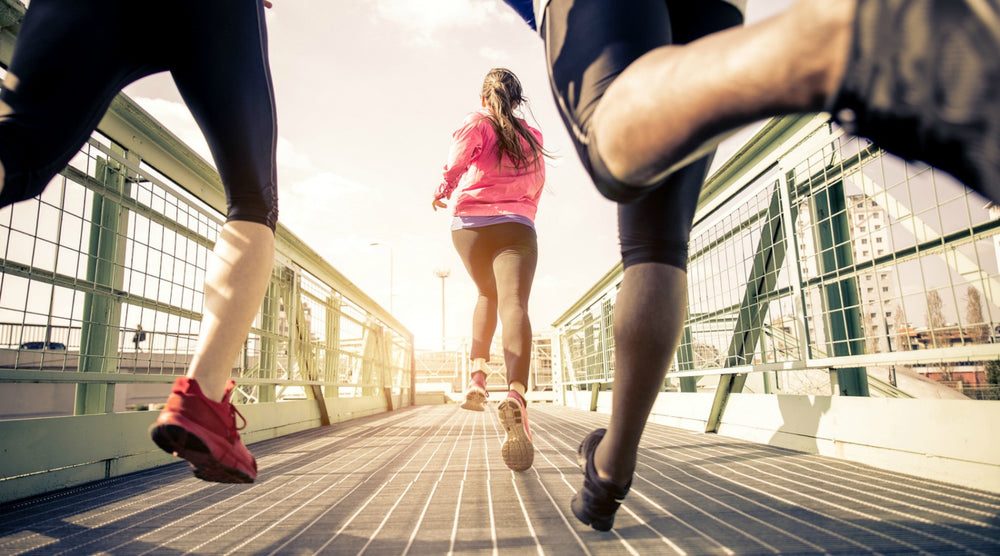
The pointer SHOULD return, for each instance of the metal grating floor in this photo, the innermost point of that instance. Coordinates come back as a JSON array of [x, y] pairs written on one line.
[[429, 480]]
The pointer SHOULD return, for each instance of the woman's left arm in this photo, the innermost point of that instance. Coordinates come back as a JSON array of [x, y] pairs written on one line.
[[465, 148]]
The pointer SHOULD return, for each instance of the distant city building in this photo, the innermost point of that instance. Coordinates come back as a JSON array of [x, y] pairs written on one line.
[[879, 306], [448, 370]]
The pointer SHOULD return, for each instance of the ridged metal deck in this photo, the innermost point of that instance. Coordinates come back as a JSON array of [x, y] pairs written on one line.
[[429, 480]]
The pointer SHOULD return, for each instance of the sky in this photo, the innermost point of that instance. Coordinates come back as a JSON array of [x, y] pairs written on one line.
[[368, 94]]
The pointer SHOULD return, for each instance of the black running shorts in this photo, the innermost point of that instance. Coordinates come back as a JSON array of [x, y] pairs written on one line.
[[588, 43], [73, 56]]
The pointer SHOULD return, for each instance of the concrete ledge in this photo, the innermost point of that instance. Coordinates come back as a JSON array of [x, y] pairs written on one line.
[[46, 454], [947, 440], [431, 398], [941, 439]]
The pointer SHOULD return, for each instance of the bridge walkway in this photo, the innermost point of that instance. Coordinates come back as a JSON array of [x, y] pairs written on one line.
[[430, 480]]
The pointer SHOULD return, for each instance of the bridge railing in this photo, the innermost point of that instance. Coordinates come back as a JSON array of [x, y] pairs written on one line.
[[814, 251], [820, 268], [101, 292]]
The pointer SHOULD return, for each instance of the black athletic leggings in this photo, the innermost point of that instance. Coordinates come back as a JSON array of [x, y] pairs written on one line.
[[73, 56], [588, 43], [501, 260]]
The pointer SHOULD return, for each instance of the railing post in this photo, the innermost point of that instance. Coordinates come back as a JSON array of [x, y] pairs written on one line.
[[99, 336], [608, 340], [840, 298], [331, 358], [269, 318], [302, 336], [685, 361]]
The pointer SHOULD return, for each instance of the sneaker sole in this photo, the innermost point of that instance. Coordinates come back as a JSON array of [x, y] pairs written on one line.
[[181, 443], [474, 401], [602, 523], [517, 451]]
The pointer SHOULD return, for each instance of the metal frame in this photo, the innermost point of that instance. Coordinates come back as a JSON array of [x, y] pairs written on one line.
[[122, 235], [787, 191]]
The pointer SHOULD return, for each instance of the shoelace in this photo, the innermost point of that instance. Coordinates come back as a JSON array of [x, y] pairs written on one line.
[[234, 431]]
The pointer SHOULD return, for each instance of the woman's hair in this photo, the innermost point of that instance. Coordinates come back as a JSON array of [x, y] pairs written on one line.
[[502, 94]]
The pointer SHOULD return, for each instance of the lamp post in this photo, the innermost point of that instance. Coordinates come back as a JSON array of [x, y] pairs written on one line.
[[442, 274], [391, 257]]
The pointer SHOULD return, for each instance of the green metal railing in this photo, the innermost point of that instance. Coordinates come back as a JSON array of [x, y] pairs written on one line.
[[818, 265], [101, 291]]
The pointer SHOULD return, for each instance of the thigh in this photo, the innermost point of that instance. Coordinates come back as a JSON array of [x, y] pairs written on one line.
[[69, 62], [588, 43], [656, 228], [515, 260], [475, 249], [225, 79]]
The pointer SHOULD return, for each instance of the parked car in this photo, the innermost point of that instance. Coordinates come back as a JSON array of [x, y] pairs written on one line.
[[43, 345]]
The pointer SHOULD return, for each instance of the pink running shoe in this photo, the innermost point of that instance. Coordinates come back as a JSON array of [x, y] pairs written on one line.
[[475, 396], [204, 432], [517, 451]]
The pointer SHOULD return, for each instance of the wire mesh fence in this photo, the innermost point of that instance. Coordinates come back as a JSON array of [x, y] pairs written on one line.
[[833, 257]]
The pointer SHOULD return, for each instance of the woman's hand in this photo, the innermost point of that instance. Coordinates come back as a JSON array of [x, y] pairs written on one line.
[[438, 203]]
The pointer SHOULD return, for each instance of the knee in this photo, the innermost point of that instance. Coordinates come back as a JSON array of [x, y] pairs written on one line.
[[261, 208], [607, 184], [19, 186], [513, 309], [672, 254]]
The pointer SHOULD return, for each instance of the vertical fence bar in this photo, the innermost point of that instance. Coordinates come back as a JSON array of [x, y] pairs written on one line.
[[840, 298], [102, 311]]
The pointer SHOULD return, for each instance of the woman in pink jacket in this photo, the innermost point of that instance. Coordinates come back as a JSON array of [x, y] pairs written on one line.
[[497, 163]]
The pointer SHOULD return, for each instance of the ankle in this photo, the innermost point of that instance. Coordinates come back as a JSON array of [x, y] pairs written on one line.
[[618, 473], [517, 387]]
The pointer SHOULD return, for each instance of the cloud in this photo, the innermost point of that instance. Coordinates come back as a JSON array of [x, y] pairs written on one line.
[[175, 117], [494, 55], [427, 18], [289, 157], [322, 188]]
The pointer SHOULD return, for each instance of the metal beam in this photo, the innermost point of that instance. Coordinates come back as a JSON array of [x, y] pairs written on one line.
[[102, 314], [767, 262], [840, 297]]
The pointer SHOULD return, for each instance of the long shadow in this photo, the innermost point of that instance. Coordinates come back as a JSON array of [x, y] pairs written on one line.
[[49, 514]]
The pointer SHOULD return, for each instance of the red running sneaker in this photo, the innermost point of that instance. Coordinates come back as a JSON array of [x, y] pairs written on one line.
[[475, 396], [517, 450], [204, 432]]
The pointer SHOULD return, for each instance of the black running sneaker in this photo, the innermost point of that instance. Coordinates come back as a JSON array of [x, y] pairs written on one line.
[[596, 503], [923, 82]]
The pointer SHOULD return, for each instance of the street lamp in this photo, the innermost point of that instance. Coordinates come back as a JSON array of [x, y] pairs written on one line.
[[442, 273], [375, 244]]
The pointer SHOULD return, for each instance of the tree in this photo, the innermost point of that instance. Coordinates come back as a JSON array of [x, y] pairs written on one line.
[[936, 322], [978, 331], [935, 314], [902, 329], [993, 373]]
